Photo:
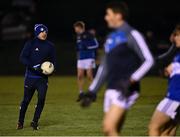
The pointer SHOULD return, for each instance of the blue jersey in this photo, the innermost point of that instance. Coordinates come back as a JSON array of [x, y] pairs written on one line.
[[86, 46], [35, 52], [174, 80]]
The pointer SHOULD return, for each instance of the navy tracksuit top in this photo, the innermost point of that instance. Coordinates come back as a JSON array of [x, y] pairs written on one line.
[[36, 52]]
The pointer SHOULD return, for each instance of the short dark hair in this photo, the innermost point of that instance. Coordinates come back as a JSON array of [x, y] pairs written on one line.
[[79, 24], [119, 7]]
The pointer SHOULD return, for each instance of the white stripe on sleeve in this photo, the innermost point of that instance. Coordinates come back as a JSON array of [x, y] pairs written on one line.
[[97, 78], [147, 64], [94, 46]]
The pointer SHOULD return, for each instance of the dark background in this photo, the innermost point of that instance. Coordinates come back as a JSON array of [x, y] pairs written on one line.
[[155, 19]]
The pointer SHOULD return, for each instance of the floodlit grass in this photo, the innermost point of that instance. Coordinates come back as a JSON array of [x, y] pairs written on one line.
[[63, 116]]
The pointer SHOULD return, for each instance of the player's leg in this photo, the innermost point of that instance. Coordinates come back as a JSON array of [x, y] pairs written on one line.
[[89, 73], [80, 78], [163, 117], [173, 130], [157, 123], [115, 109], [90, 65], [169, 129], [112, 119], [173, 125], [42, 86], [28, 94]]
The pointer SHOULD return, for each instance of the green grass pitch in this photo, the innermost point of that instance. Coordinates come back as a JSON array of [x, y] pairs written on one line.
[[63, 116]]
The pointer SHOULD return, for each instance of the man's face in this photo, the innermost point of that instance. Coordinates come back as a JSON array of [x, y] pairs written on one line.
[[42, 35], [113, 19], [177, 39], [78, 30]]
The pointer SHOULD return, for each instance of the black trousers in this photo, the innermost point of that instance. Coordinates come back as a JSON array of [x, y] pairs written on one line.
[[30, 86]]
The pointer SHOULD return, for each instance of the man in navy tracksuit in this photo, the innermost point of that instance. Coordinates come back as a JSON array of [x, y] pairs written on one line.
[[34, 53]]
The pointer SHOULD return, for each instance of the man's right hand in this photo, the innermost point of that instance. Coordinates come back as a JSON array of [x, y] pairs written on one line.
[[37, 68]]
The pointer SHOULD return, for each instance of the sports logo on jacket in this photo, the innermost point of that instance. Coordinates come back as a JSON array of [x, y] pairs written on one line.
[[36, 49]]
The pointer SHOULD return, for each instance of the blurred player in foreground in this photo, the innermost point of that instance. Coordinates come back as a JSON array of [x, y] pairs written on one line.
[[126, 61], [86, 52], [166, 117], [34, 53]]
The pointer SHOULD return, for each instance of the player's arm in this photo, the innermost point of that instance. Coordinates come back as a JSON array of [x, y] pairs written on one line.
[[140, 47], [97, 83], [90, 42], [100, 77], [24, 56], [172, 50], [80, 45], [163, 60]]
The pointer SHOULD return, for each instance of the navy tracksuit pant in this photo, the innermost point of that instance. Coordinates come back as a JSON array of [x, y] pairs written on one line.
[[30, 86]]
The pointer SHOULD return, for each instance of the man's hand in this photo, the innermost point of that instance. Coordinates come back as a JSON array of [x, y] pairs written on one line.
[[37, 68], [168, 70], [87, 99], [128, 87], [132, 81]]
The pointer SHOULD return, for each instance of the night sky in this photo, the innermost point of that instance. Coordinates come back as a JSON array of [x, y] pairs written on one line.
[[160, 16]]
